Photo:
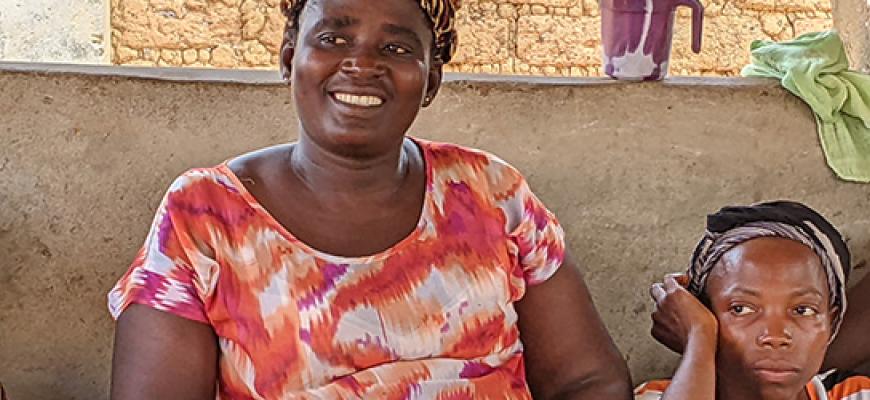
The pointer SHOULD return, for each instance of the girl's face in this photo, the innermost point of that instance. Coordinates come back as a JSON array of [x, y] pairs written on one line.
[[360, 70], [771, 298]]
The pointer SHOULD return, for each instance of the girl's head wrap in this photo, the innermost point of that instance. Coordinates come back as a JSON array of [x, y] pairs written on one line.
[[732, 226]]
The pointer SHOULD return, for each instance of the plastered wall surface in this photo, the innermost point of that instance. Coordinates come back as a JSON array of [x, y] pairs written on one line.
[[630, 169], [852, 19]]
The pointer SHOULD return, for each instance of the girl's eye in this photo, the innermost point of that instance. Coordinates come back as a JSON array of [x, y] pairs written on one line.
[[396, 49], [740, 310], [805, 311]]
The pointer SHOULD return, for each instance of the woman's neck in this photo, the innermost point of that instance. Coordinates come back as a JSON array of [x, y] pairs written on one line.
[[323, 171]]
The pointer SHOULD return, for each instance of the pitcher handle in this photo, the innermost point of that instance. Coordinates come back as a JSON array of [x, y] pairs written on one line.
[[697, 21]]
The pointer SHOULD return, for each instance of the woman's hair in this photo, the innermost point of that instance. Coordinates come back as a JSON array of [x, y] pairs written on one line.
[[441, 14], [732, 226]]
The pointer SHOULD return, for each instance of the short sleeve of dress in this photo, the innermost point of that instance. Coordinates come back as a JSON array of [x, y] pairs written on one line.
[[163, 275], [653, 390], [535, 230]]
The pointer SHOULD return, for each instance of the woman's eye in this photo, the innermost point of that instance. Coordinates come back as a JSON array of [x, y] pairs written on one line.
[[396, 49], [739, 309], [805, 311], [333, 40]]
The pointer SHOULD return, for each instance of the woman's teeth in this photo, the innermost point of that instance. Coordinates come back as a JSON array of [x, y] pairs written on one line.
[[364, 101]]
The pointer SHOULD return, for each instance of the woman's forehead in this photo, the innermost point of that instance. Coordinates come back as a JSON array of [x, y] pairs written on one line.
[[770, 265], [437, 16], [398, 13]]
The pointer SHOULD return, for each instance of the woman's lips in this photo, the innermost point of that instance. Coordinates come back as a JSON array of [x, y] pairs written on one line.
[[776, 372], [358, 100]]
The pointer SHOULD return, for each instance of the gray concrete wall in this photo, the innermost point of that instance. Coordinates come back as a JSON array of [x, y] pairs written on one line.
[[54, 31], [631, 170], [852, 19]]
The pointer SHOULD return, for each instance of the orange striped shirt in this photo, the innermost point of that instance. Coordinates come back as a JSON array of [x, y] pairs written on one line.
[[829, 386]]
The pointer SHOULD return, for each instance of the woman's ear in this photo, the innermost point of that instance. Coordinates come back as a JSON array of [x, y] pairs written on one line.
[[288, 48], [433, 83]]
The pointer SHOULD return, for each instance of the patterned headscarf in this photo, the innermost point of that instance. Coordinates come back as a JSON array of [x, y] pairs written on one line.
[[442, 14], [732, 226]]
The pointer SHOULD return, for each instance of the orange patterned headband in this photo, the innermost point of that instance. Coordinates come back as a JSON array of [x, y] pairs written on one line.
[[442, 13]]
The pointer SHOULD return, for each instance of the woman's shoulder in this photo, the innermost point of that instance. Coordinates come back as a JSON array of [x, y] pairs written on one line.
[[258, 162], [226, 178], [458, 152], [205, 182], [207, 193], [453, 156]]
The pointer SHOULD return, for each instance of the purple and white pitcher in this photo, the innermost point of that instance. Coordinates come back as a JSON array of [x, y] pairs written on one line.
[[636, 36]]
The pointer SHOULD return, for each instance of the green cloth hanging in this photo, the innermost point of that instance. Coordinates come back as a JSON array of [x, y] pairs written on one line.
[[814, 67]]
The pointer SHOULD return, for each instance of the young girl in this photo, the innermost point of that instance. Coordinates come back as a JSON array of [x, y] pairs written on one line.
[[358, 262], [765, 296]]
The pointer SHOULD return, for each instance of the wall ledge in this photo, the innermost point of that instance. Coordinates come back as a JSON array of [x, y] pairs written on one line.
[[270, 77]]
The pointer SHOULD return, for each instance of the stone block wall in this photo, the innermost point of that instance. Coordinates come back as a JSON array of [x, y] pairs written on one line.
[[54, 31], [538, 37]]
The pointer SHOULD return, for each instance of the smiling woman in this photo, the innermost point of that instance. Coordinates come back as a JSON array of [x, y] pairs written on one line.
[[358, 262]]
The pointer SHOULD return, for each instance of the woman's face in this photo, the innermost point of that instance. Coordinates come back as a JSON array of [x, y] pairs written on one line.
[[771, 299], [360, 71]]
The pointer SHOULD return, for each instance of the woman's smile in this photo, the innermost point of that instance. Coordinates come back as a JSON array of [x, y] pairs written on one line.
[[358, 100]]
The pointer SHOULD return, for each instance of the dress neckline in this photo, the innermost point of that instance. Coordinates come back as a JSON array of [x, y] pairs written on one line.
[[337, 259]]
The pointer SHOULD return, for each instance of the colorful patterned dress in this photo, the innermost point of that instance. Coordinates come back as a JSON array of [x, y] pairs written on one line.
[[430, 318]]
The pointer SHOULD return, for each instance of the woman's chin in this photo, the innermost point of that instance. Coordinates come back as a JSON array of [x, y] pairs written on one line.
[[358, 143], [782, 391]]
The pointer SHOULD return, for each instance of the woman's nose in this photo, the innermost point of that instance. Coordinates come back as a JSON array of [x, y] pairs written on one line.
[[775, 334], [363, 64]]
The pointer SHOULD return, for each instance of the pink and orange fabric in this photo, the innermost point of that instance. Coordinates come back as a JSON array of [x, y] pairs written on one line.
[[430, 318]]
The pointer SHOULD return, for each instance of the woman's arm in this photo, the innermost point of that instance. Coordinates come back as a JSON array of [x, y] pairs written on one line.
[[159, 355], [568, 352], [852, 347], [679, 310]]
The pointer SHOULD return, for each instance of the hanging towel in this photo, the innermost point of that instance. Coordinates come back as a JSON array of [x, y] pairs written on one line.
[[814, 67]]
